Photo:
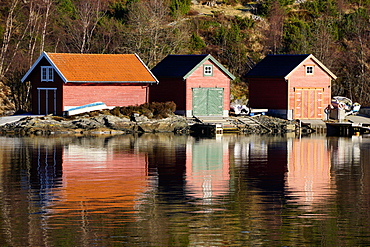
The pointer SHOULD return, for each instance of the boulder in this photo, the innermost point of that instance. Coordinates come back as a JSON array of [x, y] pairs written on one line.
[[97, 124]]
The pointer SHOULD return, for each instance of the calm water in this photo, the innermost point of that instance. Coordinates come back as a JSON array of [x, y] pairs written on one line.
[[167, 190]]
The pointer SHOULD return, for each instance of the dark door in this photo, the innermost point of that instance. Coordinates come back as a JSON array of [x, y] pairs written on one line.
[[47, 101]]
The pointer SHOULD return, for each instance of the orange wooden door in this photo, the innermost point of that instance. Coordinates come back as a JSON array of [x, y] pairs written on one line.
[[308, 103]]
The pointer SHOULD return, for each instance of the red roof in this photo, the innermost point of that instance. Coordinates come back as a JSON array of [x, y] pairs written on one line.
[[73, 67]]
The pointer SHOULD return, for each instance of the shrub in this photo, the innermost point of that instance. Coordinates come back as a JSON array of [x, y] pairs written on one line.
[[150, 110], [115, 111]]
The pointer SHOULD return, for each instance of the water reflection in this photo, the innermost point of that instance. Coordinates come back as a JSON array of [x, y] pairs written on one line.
[[309, 177], [207, 169], [167, 190]]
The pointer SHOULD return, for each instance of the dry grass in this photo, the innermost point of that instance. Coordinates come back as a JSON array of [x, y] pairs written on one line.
[[228, 10]]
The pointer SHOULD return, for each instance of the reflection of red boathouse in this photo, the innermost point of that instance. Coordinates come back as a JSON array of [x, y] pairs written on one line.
[[207, 168], [309, 170], [97, 179]]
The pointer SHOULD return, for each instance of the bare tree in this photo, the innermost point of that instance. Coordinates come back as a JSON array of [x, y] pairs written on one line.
[[7, 37], [47, 10], [153, 35], [20, 43], [82, 30], [34, 23], [274, 32]]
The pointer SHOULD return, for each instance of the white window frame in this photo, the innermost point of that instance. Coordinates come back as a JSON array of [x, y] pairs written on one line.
[[309, 70], [208, 70], [48, 76]]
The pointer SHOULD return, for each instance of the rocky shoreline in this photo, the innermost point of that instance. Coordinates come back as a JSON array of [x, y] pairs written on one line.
[[114, 125]]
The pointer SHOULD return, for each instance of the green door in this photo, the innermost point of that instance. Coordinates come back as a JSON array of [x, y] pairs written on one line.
[[208, 101]]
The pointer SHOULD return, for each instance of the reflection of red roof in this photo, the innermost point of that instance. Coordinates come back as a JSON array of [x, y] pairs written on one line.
[[101, 182]]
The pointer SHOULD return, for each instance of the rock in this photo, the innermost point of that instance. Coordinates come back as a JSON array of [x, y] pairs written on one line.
[[171, 124], [109, 124], [140, 119], [101, 124]]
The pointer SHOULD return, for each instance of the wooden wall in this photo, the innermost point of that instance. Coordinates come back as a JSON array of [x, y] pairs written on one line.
[[180, 91], [306, 95], [218, 80], [169, 89], [270, 93], [35, 78], [111, 95]]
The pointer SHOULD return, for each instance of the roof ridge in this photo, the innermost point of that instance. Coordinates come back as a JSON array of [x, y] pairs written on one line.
[[188, 54], [68, 53], [308, 54]]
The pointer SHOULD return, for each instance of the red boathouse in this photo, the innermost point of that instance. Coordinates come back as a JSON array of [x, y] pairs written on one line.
[[291, 86], [61, 81], [198, 84]]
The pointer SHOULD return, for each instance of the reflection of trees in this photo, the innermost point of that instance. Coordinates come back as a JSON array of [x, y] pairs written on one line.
[[261, 166], [34, 171], [350, 165], [164, 205]]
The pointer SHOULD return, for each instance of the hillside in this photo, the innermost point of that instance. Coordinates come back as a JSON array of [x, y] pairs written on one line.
[[227, 10], [336, 32]]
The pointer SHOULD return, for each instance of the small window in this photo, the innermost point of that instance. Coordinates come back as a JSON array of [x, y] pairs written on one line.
[[47, 73], [207, 70], [309, 70]]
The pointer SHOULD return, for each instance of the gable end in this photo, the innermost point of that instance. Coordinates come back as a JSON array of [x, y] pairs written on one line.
[[209, 57], [35, 65]]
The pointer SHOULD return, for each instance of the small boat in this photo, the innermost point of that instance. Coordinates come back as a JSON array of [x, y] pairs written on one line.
[[247, 111], [344, 103], [241, 109], [85, 108]]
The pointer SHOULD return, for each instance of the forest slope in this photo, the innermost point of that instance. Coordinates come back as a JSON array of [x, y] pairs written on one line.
[[236, 33]]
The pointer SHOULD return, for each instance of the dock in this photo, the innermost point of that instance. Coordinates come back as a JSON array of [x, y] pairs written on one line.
[[313, 125], [354, 125], [210, 125], [351, 125], [218, 125]]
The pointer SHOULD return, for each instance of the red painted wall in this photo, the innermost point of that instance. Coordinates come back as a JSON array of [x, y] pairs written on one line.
[[276, 93], [319, 79], [169, 89], [76, 94], [196, 80], [111, 95], [270, 93], [180, 91]]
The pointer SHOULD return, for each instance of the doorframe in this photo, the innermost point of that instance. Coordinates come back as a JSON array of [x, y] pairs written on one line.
[[46, 89]]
